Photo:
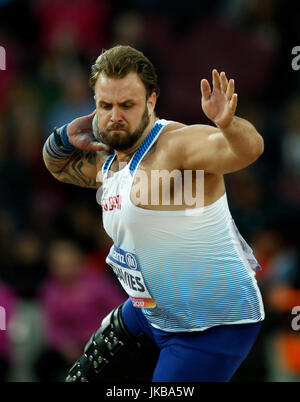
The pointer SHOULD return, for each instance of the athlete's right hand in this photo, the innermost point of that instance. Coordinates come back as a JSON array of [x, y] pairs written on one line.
[[80, 134]]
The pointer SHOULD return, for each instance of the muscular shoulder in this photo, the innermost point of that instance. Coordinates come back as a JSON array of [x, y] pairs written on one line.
[[175, 138], [176, 131]]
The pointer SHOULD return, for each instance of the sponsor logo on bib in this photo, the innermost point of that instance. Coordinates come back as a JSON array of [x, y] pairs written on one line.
[[131, 261]]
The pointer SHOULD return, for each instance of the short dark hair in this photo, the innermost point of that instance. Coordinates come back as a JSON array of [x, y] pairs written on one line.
[[119, 61]]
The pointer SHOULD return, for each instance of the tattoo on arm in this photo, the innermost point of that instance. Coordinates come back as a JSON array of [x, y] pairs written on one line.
[[80, 168]]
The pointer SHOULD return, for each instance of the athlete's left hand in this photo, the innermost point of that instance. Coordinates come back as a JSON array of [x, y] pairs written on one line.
[[219, 105]]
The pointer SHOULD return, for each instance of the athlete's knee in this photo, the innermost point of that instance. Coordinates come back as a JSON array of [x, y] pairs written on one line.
[[113, 353]]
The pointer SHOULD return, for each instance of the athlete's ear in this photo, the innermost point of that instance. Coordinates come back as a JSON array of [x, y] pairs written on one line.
[[151, 102]]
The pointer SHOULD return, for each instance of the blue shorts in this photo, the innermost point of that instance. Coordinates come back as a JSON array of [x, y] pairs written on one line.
[[211, 355]]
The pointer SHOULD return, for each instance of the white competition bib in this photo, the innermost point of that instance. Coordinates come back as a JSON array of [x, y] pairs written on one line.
[[127, 269]]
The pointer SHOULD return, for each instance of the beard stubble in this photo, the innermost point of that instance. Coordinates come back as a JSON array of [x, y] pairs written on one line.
[[126, 140]]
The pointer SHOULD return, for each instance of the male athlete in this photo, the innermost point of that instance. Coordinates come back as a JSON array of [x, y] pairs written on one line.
[[194, 308]]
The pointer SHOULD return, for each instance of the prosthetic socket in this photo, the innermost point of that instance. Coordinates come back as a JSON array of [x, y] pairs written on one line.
[[113, 354]]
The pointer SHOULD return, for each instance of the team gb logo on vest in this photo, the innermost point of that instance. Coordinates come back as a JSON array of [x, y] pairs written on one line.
[[2, 58]]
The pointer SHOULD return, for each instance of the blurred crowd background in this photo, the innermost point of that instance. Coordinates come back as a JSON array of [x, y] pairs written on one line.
[[54, 283]]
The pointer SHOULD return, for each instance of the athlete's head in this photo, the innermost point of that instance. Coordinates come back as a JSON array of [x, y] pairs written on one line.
[[126, 89]]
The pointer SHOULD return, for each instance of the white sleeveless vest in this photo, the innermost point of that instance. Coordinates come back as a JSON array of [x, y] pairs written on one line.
[[187, 273]]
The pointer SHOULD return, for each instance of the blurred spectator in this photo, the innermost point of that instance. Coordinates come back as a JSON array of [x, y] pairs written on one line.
[[23, 144], [282, 298], [76, 100], [74, 300], [175, 14], [289, 183], [279, 281], [6, 239], [134, 29], [291, 140], [267, 243], [83, 21], [80, 222], [14, 42], [129, 29], [27, 268], [9, 75], [247, 205], [96, 258]]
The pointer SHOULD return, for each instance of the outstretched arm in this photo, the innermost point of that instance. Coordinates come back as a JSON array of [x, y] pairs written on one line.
[[72, 155], [232, 145]]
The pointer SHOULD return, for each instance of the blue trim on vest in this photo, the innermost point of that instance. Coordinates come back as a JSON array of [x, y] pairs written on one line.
[[144, 146], [107, 162]]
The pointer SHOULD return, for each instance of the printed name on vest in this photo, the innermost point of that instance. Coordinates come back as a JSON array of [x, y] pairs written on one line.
[[134, 282], [111, 203]]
